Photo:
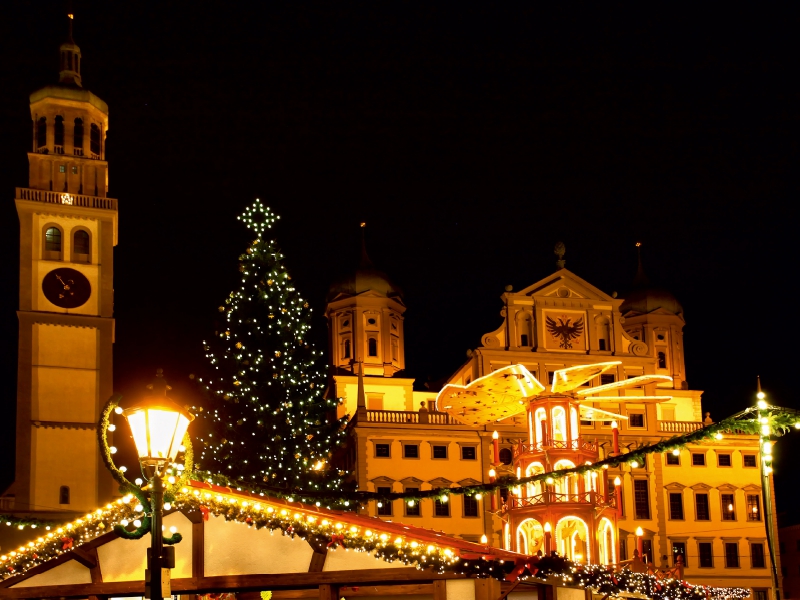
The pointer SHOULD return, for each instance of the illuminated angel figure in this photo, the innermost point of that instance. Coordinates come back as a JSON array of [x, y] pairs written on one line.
[[564, 330]]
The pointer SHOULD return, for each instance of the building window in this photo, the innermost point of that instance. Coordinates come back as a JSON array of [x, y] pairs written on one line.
[[383, 451], [676, 506], [636, 420], [74, 169], [749, 460], [601, 344], [607, 378], [41, 133], [506, 457], [80, 246], [52, 239], [662, 360], [753, 507], [440, 452], [679, 549], [58, 134], [724, 460], [470, 506], [728, 507], [523, 339], [62, 168], [63, 494], [698, 459], [440, 508], [346, 351], [77, 137], [731, 555], [673, 459], [701, 507], [94, 139], [641, 498], [410, 450], [384, 506], [705, 556], [757, 556], [412, 510], [468, 453], [763, 595], [623, 549], [550, 376], [372, 347], [647, 551]]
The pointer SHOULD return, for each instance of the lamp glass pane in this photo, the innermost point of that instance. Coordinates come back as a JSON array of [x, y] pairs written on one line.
[[180, 430], [162, 425], [138, 423]]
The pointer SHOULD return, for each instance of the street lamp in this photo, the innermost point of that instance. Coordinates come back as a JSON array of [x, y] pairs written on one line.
[[158, 425]]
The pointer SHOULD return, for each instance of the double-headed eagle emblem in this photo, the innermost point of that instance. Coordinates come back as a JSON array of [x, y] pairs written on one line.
[[564, 330]]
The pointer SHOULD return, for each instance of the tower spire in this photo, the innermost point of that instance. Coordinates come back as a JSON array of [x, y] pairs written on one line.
[[559, 250], [641, 279], [70, 71], [365, 260]]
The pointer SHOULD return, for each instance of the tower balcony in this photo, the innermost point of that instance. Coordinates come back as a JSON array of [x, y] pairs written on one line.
[[550, 498], [49, 197]]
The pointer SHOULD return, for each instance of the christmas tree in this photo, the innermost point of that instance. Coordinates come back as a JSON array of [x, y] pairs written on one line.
[[268, 420]]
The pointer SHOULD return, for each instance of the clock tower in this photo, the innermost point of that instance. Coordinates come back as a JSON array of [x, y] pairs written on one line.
[[68, 230]]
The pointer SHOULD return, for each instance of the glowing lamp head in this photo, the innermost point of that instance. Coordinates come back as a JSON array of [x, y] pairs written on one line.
[[762, 405], [548, 528], [617, 481], [761, 395], [495, 436], [639, 532], [614, 425], [492, 473], [158, 424], [484, 539], [676, 452]]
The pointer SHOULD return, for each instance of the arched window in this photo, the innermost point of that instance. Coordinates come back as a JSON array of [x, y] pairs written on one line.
[[575, 432], [372, 347], [662, 360], [63, 494], [81, 246], [506, 456], [52, 239], [540, 416], [559, 421], [77, 140], [58, 135], [94, 139], [41, 133], [346, 349]]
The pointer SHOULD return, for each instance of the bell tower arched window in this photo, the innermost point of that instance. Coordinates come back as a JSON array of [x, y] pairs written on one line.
[[81, 247], [41, 134], [662, 360], [77, 137], [346, 349], [58, 135], [372, 347], [94, 140], [63, 494]]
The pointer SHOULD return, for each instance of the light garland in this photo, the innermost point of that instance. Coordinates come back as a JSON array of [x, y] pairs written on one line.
[[326, 531]]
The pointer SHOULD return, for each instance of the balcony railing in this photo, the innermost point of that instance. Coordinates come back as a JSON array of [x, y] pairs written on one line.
[[679, 426], [549, 497], [49, 197], [410, 417], [579, 444]]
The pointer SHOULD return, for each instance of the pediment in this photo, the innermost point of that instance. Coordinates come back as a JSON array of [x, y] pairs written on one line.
[[468, 482], [675, 486], [565, 284], [382, 479], [440, 482], [727, 487], [752, 488], [411, 482], [701, 487]]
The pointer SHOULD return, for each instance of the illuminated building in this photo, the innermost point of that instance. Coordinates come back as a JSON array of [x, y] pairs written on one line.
[[702, 503], [68, 230]]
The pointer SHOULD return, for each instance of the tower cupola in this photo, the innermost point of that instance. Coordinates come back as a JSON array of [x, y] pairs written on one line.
[[70, 60]]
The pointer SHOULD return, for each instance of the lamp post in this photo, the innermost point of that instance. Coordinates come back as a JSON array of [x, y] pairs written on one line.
[[640, 543], [158, 425]]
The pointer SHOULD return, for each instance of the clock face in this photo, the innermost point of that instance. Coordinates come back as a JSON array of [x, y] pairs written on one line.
[[66, 288]]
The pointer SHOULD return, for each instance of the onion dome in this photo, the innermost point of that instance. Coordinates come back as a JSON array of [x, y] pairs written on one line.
[[644, 297], [365, 278]]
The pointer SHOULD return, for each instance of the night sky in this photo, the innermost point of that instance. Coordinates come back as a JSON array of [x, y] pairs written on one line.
[[470, 138]]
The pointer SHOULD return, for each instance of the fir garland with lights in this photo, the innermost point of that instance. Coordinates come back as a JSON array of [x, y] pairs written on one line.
[[270, 422]]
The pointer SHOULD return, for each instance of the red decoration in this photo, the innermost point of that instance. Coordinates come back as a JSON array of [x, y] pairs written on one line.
[[248, 520], [67, 543], [337, 539], [204, 511]]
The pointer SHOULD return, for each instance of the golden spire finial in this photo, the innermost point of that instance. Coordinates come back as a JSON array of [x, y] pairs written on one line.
[[363, 224]]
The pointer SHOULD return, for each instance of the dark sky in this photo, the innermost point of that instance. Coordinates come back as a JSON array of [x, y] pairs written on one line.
[[470, 137]]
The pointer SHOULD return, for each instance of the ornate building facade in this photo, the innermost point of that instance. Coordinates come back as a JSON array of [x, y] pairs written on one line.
[[68, 230], [701, 506]]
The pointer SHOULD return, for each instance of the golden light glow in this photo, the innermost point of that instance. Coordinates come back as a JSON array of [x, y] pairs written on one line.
[[547, 527], [625, 383], [639, 532]]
